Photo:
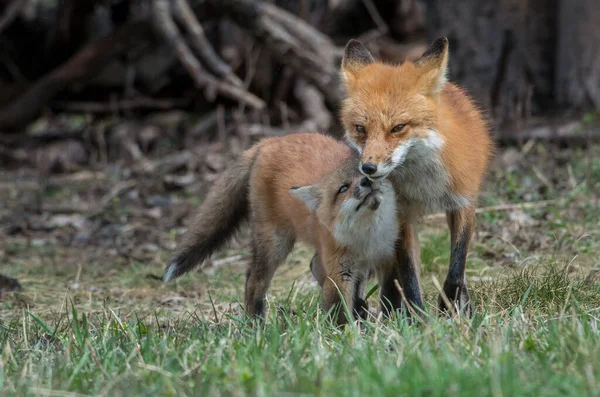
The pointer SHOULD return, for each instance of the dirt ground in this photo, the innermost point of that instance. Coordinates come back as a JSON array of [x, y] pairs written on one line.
[[98, 234]]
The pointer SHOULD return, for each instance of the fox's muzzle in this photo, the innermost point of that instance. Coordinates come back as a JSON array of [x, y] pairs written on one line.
[[367, 194], [368, 168], [374, 171]]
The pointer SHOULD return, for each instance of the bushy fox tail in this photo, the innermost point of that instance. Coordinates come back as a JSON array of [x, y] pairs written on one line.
[[225, 208]]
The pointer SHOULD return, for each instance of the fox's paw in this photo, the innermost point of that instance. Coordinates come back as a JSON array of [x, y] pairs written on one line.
[[458, 296], [361, 308]]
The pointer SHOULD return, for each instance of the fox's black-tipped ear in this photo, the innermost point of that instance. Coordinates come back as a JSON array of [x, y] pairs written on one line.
[[434, 62], [308, 194], [356, 56]]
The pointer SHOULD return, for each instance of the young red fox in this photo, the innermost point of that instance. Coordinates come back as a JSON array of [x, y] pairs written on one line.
[[298, 187], [425, 134]]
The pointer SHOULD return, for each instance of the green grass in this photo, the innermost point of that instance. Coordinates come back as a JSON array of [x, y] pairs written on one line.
[[537, 334], [90, 323], [435, 255]]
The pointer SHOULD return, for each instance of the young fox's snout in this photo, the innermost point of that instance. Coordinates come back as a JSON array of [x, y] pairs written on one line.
[[341, 205], [367, 195]]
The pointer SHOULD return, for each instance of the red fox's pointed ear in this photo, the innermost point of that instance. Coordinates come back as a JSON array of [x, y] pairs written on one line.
[[434, 63], [356, 56], [308, 194]]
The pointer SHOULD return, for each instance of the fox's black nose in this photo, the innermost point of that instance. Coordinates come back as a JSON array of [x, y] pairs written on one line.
[[369, 168], [365, 182]]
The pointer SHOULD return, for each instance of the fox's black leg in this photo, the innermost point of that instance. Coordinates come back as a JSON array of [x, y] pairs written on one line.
[[461, 224], [405, 271], [361, 308]]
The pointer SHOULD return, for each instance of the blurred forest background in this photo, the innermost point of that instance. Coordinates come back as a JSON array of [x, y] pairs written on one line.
[[113, 111]]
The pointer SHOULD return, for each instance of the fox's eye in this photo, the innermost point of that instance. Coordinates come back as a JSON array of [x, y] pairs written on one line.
[[360, 129], [398, 128], [343, 189]]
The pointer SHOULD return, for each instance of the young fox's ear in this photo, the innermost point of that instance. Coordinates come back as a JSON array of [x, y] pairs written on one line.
[[308, 194], [434, 63], [356, 56]]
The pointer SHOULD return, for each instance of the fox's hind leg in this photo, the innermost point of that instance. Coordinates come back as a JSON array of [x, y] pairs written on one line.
[[461, 224], [270, 247]]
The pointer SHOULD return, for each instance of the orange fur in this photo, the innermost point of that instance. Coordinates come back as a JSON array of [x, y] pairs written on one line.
[[428, 137], [381, 96], [270, 181]]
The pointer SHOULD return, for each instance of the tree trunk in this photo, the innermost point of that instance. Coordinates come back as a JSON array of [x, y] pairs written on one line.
[[502, 51], [578, 56]]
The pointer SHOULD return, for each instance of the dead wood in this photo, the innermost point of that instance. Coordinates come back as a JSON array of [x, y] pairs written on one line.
[[10, 13], [292, 41], [116, 191], [501, 208], [186, 17], [82, 67], [166, 164], [140, 102], [165, 25], [573, 132], [260, 130], [318, 118]]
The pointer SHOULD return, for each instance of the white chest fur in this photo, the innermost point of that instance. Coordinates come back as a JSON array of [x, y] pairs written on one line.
[[422, 180], [370, 237]]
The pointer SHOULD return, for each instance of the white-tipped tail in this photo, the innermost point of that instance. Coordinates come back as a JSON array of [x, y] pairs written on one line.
[[170, 272], [223, 211]]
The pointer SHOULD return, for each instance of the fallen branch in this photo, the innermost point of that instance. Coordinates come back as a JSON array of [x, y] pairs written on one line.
[[501, 207], [166, 164], [55, 181], [573, 132], [294, 42], [318, 118], [186, 17], [121, 105], [166, 26], [313, 105], [260, 130], [10, 13], [116, 191], [82, 67], [91, 210]]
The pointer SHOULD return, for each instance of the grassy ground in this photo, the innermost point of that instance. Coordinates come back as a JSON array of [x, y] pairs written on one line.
[[90, 322]]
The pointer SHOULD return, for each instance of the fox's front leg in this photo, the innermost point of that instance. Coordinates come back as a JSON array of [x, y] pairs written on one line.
[[461, 224], [317, 269], [270, 247], [340, 283], [360, 307], [404, 271]]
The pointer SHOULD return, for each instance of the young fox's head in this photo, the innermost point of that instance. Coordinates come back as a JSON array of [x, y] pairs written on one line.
[[349, 205], [391, 109]]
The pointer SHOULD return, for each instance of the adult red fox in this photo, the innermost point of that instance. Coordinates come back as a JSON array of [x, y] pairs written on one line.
[[298, 187], [424, 134]]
